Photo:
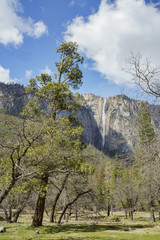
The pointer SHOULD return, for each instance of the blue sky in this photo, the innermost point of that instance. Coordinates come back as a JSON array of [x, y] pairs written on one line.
[[106, 31]]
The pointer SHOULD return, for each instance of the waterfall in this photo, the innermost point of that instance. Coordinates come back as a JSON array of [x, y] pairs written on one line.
[[103, 123]]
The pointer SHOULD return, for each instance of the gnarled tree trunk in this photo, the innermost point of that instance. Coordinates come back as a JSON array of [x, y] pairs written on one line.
[[20, 208], [57, 197], [40, 206], [70, 203]]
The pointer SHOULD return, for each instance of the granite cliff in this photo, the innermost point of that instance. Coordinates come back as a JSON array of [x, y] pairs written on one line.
[[109, 123], [12, 97]]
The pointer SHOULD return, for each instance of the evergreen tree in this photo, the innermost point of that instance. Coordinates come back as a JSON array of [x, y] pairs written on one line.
[[64, 150], [146, 157], [146, 131], [48, 142]]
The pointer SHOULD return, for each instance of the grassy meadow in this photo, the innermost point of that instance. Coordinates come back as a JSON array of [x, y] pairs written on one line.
[[112, 228], [104, 229]]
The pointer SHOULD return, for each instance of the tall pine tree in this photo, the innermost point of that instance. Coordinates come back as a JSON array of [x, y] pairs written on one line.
[[145, 155]]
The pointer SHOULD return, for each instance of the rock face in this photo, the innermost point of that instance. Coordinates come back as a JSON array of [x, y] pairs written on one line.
[[12, 97], [109, 123]]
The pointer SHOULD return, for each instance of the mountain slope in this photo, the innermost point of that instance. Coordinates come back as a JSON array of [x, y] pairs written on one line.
[[109, 123]]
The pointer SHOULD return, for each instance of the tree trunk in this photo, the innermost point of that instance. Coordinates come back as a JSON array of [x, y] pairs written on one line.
[[40, 206], [7, 190], [126, 215], [20, 208], [158, 210], [131, 214], [10, 213], [69, 214], [152, 214], [5, 213], [125, 209], [109, 210], [70, 203], [76, 215], [151, 205], [76, 212], [57, 197], [60, 71], [16, 214]]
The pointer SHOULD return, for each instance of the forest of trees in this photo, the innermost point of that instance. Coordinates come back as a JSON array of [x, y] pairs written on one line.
[[45, 166]]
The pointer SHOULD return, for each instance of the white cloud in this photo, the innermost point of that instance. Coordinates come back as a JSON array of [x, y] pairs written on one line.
[[5, 75], [46, 70], [39, 29], [108, 36], [28, 73], [13, 26]]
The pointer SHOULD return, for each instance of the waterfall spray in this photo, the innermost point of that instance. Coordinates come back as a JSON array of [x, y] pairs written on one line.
[[103, 123]]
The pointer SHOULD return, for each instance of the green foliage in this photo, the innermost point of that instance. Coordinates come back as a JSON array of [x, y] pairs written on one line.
[[49, 138], [59, 148], [147, 160], [145, 151], [49, 94], [5, 171], [145, 129], [8, 126], [68, 67], [61, 144]]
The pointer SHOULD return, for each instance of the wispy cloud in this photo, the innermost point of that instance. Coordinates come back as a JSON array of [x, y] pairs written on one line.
[[28, 73], [46, 70], [72, 3], [13, 27], [109, 35], [80, 3]]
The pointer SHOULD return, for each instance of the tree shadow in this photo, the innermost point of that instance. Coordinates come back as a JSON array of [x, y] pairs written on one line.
[[69, 228]]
